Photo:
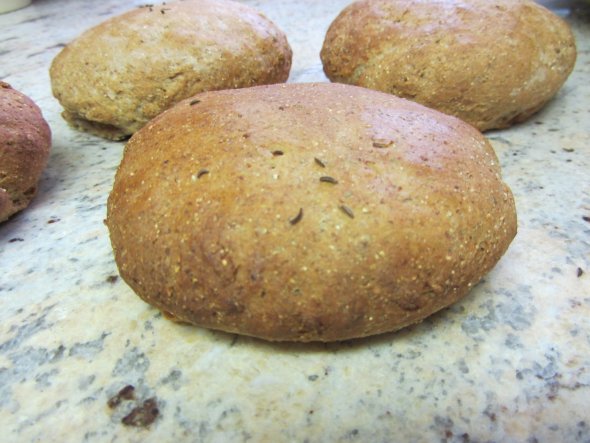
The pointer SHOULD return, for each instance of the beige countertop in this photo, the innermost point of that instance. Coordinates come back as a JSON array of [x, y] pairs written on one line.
[[510, 362]]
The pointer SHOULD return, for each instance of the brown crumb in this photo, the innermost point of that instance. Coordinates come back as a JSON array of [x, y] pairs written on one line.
[[142, 416], [127, 393], [297, 218], [112, 278], [319, 162], [579, 272], [202, 172], [586, 218], [382, 143], [347, 211], [328, 179]]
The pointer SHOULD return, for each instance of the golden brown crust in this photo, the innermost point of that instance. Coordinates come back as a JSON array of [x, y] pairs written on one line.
[[490, 63], [307, 211], [118, 75], [25, 140]]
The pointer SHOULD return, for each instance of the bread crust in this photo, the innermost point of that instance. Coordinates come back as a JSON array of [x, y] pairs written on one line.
[[25, 141], [307, 212], [492, 64], [118, 75]]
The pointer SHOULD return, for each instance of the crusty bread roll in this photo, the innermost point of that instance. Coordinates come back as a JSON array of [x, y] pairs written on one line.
[[490, 63], [307, 211], [118, 75], [25, 141]]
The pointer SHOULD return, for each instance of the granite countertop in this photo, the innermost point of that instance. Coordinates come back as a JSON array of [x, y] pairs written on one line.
[[511, 362]]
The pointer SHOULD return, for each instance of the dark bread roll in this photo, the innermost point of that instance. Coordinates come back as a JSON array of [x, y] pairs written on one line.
[[25, 141], [118, 75], [307, 211], [490, 63]]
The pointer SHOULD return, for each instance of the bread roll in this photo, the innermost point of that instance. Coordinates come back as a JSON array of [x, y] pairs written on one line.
[[307, 211], [25, 141], [491, 64], [118, 75]]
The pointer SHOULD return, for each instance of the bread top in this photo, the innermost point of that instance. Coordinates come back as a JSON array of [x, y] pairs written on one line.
[[488, 63], [25, 141], [306, 211], [116, 76]]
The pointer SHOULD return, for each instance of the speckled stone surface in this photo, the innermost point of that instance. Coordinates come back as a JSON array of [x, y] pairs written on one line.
[[510, 363]]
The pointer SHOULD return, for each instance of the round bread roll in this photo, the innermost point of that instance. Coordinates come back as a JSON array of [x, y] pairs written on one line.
[[307, 212], [118, 75], [492, 64], [25, 141]]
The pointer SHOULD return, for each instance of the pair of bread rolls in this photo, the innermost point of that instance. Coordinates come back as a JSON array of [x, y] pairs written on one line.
[[492, 64]]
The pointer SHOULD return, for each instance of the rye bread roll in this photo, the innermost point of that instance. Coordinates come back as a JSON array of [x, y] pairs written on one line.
[[25, 141], [307, 212], [490, 63], [118, 75]]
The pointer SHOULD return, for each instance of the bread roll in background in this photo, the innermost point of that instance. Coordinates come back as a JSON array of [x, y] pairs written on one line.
[[490, 63], [307, 211], [25, 141], [118, 75]]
